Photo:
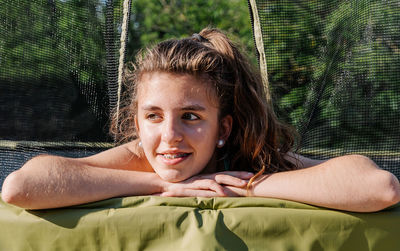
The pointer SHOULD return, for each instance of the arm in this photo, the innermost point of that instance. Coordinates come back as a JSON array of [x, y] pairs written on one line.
[[352, 183], [52, 181]]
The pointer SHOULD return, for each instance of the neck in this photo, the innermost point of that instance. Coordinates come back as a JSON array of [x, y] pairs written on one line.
[[211, 167]]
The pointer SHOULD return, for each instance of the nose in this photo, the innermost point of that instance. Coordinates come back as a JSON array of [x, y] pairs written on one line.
[[172, 131]]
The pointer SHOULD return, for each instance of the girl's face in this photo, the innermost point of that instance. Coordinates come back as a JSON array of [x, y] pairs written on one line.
[[178, 124]]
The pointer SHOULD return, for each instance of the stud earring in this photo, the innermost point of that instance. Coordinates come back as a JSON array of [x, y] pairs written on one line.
[[140, 144], [221, 143]]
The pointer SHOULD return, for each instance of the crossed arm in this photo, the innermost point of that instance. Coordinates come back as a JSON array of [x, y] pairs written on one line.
[[352, 183]]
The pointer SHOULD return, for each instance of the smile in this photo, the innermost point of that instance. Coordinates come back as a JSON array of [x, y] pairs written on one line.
[[174, 156]]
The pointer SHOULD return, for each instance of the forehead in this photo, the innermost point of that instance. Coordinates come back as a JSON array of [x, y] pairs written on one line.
[[178, 89]]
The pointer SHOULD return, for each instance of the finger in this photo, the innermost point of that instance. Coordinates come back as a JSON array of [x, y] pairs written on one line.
[[239, 174], [208, 184], [190, 193], [232, 191], [230, 180]]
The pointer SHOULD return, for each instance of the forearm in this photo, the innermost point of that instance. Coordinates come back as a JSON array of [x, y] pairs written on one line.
[[352, 183], [49, 181]]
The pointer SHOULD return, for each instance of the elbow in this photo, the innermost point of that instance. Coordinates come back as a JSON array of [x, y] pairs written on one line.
[[387, 184], [390, 193], [12, 190], [23, 188], [393, 193]]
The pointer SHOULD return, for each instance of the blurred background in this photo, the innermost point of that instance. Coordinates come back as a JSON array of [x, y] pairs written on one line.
[[333, 68], [58, 56]]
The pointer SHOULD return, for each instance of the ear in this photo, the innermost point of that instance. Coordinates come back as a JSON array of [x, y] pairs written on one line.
[[225, 127], [136, 125]]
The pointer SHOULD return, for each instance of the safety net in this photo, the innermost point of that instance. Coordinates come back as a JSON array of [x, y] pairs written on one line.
[[334, 74], [332, 69], [58, 77]]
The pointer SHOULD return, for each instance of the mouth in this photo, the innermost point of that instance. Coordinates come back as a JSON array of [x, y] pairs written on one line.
[[173, 158], [174, 155]]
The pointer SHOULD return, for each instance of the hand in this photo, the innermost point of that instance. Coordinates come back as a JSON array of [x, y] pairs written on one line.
[[208, 185]]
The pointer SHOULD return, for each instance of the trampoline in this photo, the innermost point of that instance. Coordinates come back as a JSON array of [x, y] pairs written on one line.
[[331, 69]]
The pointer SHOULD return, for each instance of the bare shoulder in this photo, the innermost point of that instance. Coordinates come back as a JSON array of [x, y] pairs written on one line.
[[127, 156], [301, 161]]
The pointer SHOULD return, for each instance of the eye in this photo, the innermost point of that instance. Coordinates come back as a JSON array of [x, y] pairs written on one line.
[[153, 116], [190, 116]]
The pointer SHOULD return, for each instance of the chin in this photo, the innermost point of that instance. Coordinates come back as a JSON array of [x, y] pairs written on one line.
[[171, 176]]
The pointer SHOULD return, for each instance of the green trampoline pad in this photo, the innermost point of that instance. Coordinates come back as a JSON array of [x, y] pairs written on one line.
[[159, 223]]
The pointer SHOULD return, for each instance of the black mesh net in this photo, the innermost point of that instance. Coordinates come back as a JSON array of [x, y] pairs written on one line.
[[333, 68], [58, 77], [334, 71]]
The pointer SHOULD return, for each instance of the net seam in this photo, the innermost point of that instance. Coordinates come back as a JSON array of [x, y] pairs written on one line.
[[260, 48], [124, 32]]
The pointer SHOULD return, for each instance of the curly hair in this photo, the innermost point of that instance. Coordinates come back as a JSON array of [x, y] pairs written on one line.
[[258, 141]]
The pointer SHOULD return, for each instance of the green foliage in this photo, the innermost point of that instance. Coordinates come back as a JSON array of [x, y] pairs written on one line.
[[157, 20], [333, 65], [52, 70], [334, 70], [41, 38]]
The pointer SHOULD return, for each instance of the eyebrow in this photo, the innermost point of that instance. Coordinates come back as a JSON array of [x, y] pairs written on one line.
[[185, 108], [193, 108]]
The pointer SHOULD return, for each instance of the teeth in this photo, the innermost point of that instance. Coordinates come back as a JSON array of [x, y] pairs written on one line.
[[173, 156]]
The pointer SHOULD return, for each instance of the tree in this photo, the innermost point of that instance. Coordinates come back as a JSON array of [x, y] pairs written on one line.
[[332, 69], [155, 21], [52, 59]]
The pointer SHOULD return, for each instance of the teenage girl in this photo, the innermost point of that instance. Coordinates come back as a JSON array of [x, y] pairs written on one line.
[[197, 123]]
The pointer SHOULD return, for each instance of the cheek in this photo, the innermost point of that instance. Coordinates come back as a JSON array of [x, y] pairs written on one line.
[[197, 133], [148, 134], [205, 135]]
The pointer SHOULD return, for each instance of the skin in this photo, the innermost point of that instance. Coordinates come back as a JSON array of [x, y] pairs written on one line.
[[179, 124], [352, 182]]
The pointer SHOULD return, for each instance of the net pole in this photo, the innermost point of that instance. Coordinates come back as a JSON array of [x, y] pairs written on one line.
[[258, 38], [121, 63]]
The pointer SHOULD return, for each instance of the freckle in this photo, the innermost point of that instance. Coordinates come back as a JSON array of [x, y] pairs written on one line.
[[195, 90]]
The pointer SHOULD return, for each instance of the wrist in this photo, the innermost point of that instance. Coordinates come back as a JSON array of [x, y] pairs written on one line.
[[158, 184], [161, 184], [257, 187], [144, 183]]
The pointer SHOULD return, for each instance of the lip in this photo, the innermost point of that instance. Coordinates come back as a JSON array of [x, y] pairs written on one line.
[[173, 161]]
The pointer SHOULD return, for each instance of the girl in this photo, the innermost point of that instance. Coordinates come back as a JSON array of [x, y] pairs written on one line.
[[197, 123]]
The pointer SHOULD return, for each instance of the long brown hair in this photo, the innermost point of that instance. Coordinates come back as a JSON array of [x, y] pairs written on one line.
[[258, 141]]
